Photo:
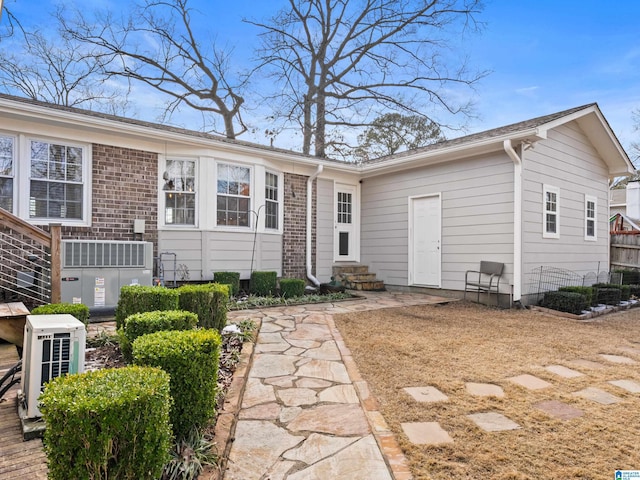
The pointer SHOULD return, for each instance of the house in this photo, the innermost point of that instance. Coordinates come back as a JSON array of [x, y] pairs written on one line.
[[528, 194]]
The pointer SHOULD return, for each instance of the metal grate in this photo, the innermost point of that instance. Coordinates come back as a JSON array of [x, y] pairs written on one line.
[[104, 254]]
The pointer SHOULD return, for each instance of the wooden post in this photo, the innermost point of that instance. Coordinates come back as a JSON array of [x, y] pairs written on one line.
[[56, 277]]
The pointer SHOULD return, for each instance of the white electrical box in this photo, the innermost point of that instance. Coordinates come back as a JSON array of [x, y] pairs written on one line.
[[54, 345]]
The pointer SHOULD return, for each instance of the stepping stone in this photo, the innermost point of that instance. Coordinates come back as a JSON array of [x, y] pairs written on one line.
[[618, 359], [632, 350], [529, 381], [426, 394], [628, 385], [316, 447], [296, 397], [563, 371], [484, 390], [597, 395], [581, 363], [558, 409], [426, 433], [493, 422]]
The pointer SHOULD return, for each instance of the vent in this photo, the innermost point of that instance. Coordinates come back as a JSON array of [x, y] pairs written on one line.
[[104, 254]]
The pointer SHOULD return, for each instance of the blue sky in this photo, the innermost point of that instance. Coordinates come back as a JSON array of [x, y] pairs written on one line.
[[544, 55]]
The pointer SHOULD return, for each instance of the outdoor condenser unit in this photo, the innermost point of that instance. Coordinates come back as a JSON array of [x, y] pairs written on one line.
[[53, 346]]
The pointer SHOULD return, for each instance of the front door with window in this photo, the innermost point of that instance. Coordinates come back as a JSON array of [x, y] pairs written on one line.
[[345, 240]]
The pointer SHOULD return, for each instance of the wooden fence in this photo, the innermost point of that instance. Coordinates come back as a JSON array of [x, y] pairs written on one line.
[[625, 251]]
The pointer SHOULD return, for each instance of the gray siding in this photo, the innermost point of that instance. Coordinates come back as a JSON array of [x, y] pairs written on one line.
[[324, 237], [477, 218], [568, 161], [205, 252]]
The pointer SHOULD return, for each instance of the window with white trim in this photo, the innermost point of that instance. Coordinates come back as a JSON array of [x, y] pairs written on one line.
[[271, 201], [234, 195], [180, 192], [551, 216], [590, 212], [56, 186], [7, 152]]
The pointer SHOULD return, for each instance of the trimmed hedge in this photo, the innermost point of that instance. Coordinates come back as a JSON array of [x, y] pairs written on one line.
[[111, 423], [634, 290], [229, 278], [586, 291], [190, 357], [263, 284], [608, 295], [629, 277], [570, 302], [144, 323], [625, 291], [141, 298], [209, 302], [291, 287], [78, 310]]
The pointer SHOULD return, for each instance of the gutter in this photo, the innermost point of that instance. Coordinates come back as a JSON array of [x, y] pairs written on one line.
[[310, 180], [517, 220]]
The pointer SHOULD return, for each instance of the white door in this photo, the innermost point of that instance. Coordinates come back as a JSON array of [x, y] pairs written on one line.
[[424, 239], [345, 244]]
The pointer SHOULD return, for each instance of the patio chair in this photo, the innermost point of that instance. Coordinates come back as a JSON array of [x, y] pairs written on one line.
[[485, 280]]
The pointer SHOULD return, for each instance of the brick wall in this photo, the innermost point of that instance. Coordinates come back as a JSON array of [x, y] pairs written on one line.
[[294, 242]]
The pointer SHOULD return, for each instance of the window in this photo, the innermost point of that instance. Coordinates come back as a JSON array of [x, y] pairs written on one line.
[[551, 217], [234, 195], [271, 201], [180, 192], [344, 207], [6, 172], [56, 188], [590, 211]]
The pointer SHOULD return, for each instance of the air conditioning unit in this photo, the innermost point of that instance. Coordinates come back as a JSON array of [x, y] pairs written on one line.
[[53, 346]]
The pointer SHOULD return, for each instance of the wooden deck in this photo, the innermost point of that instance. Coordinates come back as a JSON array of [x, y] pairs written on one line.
[[18, 459]]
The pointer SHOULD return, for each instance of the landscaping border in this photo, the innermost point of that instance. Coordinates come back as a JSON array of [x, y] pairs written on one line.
[[589, 315]]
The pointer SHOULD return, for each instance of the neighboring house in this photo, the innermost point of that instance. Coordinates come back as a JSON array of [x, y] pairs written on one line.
[[529, 194], [618, 201]]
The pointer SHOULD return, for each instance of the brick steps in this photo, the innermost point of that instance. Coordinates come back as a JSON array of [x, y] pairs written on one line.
[[357, 277]]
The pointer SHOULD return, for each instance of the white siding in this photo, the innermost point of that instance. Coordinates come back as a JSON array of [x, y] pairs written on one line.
[[324, 230], [568, 161], [477, 218], [205, 252]]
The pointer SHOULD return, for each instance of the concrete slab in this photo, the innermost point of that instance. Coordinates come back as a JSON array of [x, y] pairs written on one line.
[[426, 394], [484, 390], [558, 409], [563, 371], [628, 385], [529, 382], [493, 422], [426, 433], [597, 395], [618, 359]]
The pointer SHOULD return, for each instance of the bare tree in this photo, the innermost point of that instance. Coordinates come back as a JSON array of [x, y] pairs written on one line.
[[340, 63], [158, 46]]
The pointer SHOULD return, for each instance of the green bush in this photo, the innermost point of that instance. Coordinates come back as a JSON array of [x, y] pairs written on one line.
[[608, 295], [143, 323], [587, 292], [634, 290], [78, 310], [263, 284], [140, 298], [229, 278], [209, 302], [629, 277], [625, 291], [291, 287], [190, 357], [570, 302], [111, 423]]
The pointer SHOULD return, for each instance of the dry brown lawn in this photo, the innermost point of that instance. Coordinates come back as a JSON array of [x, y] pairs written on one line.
[[446, 346]]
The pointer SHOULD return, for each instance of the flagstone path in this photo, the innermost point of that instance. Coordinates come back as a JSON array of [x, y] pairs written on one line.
[[306, 412]]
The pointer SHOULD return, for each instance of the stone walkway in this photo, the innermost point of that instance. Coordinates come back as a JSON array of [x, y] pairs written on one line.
[[306, 413]]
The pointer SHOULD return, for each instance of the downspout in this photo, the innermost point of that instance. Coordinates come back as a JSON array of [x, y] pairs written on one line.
[[517, 220], [310, 180]]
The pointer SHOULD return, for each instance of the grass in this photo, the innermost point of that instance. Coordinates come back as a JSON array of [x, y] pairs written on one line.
[[447, 346]]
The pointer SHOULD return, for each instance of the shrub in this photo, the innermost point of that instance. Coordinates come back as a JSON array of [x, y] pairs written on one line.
[[140, 298], [263, 284], [570, 302], [291, 287], [111, 423], [143, 323], [587, 292], [608, 295], [625, 291], [78, 310], [191, 359], [229, 278], [634, 290], [209, 302], [629, 277]]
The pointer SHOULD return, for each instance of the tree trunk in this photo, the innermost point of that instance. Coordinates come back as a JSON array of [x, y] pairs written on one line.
[[321, 124], [307, 127]]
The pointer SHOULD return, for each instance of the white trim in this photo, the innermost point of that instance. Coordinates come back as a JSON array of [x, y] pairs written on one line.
[[410, 273], [161, 193], [587, 199], [555, 190], [252, 223], [281, 190], [355, 221]]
